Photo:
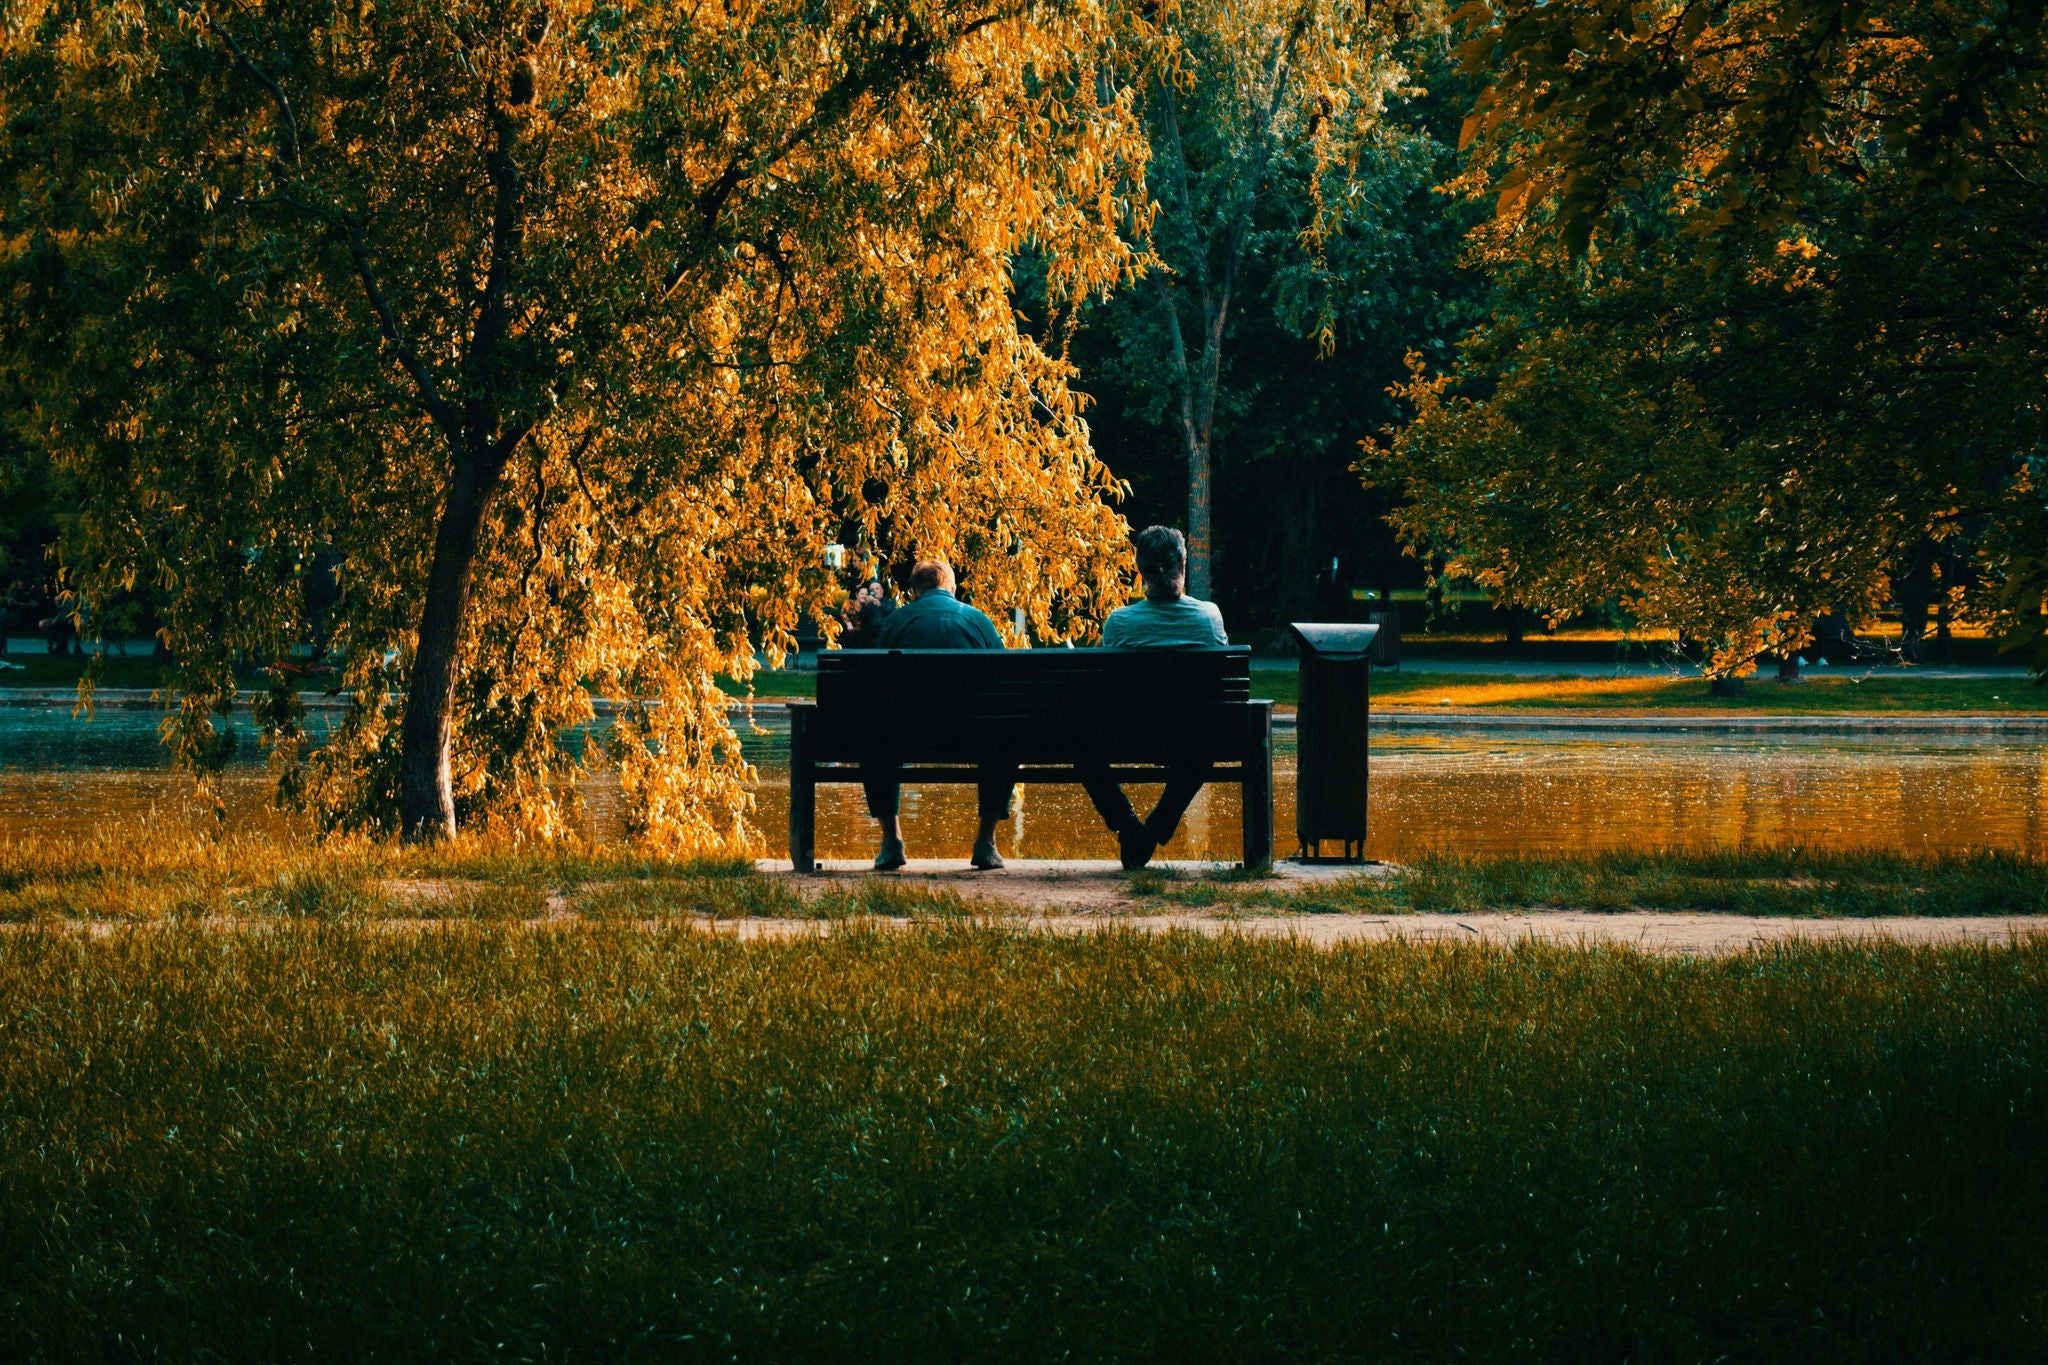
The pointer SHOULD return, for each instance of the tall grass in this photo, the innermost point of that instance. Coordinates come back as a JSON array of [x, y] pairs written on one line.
[[153, 878], [1770, 881], [114, 878], [1766, 881], [320, 1141]]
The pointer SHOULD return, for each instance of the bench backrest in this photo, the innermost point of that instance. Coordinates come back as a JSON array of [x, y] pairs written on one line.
[[1033, 705]]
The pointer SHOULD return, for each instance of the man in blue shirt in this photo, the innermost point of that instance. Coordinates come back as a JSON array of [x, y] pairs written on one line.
[[1167, 618], [935, 619]]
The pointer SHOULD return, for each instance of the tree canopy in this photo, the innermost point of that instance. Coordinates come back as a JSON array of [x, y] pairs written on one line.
[[1770, 327], [1299, 248], [560, 338]]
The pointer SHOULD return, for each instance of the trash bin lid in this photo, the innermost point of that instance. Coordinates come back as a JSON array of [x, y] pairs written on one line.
[[1334, 640]]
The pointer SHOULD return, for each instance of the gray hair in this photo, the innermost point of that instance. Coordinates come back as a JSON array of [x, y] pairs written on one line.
[[1162, 552]]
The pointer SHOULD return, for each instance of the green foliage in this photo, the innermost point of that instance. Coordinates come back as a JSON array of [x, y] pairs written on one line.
[[1302, 248], [319, 1141], [1766, 333]]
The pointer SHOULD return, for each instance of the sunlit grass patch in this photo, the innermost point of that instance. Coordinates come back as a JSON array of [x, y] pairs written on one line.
[[1767, 881], [458, 900], [1234, 889], [144, 873], [737, 895], [104, 880], [315, 1139], [106, 899], [886, 899], [1893, 691], [319, 894], [1789, 881]]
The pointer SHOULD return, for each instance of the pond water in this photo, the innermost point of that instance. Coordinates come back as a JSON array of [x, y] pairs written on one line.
[[1491, 791]]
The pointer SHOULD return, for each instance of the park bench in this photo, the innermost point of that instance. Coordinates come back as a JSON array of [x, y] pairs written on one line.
[[1049, 711]]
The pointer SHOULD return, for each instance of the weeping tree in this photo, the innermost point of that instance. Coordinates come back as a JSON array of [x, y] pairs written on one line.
[[520, 352]]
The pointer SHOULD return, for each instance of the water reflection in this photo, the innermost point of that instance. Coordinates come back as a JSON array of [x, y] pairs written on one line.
[[1471, 791]]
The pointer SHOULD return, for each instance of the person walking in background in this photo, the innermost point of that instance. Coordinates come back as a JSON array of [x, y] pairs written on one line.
[[936, 619], [863, 616], [1167, 618]]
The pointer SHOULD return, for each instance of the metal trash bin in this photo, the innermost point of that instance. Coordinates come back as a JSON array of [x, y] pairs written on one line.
[[1330, 737]]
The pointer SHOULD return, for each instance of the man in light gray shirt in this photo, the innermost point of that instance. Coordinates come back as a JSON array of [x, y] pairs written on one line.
[[1166, 619], [1165, 622]]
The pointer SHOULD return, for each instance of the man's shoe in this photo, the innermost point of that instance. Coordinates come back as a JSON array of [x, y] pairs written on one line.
[[985, 857], [1134, 846], [891, 856]]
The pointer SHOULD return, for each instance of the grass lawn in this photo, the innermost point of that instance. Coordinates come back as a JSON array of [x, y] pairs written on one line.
[[322, 1141], [58, 671], [55, 671], [130, 877], [1893, 691], [1890, 692], [1794, 882]]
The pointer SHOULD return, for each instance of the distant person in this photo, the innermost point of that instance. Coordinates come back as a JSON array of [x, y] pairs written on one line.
[[863, 616], [1167, 618], [935, 619]]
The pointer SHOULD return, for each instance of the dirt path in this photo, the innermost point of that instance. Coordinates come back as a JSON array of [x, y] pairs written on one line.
[[1063, 897], [1054, 886]]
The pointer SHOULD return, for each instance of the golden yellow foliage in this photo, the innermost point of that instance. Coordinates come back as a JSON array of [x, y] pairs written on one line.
[[563, 339]]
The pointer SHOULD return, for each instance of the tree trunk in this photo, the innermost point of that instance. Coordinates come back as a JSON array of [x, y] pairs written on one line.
[[1788, 656], [1301, 574], [426, 799], [1914, 590], [1201, 533]]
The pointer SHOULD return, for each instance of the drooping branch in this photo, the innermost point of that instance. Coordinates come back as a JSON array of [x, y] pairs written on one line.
[[887, 68]]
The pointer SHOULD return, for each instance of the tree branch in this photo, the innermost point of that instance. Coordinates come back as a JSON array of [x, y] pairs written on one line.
[[494, 312], [444, 415], [1178, 348], [899, 59], [291, 120]]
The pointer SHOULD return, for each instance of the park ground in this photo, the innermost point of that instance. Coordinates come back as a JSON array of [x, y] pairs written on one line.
[[361, 1102], [272, 1099], [1434, 684]]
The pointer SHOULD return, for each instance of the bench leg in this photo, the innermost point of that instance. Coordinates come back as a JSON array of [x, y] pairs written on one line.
[[803, 793], [1258, 786]]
